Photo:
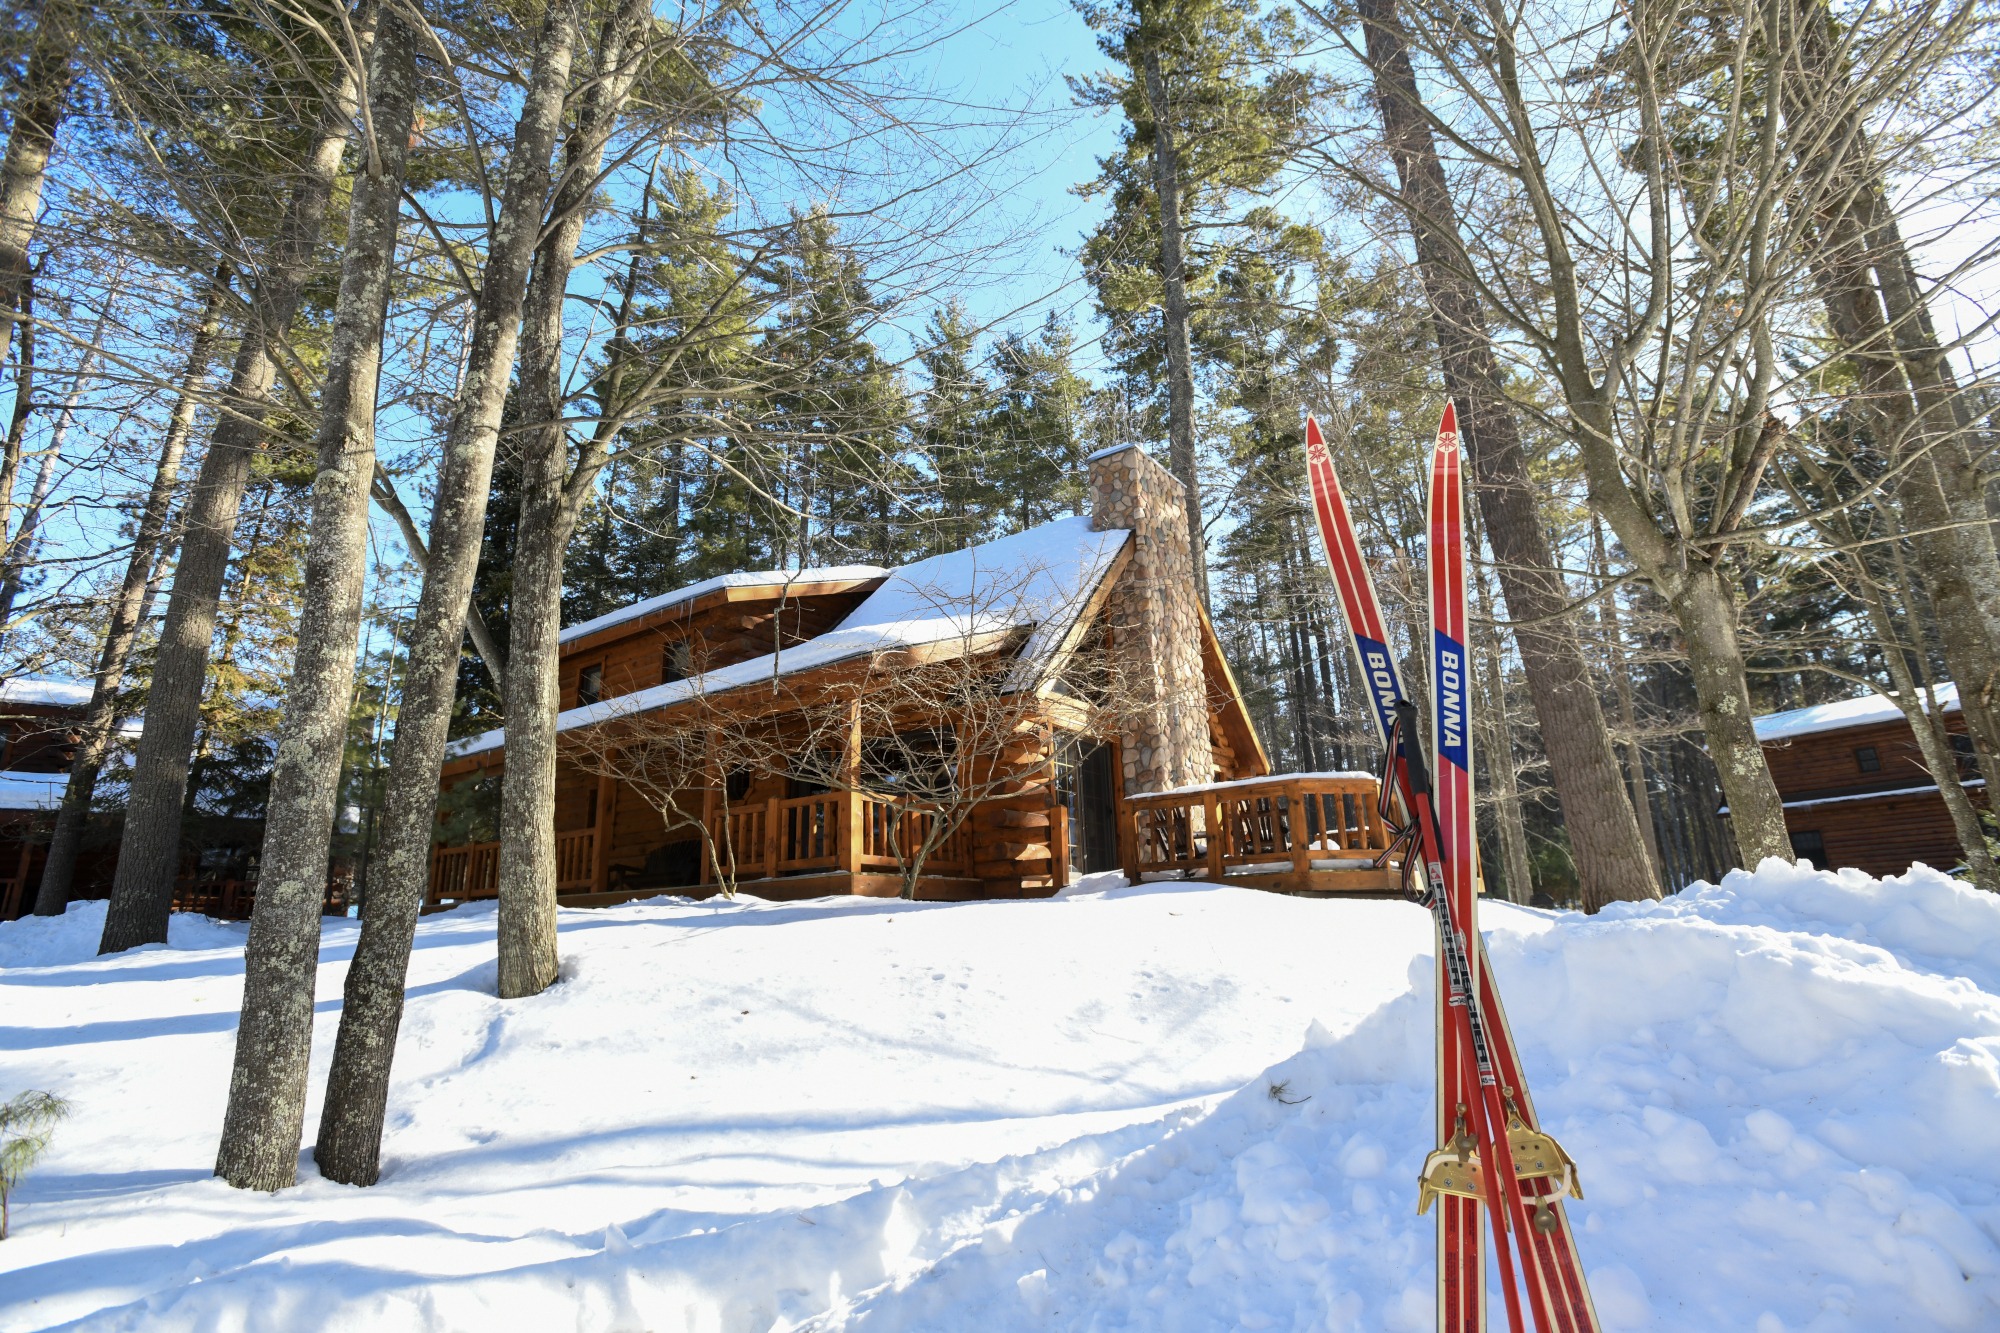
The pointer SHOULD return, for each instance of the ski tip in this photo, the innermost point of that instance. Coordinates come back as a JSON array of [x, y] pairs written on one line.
[[1449, 426], [1314, 440]]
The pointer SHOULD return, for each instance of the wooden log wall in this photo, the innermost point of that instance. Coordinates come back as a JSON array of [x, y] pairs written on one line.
[[1825, 762], [1019, 841]]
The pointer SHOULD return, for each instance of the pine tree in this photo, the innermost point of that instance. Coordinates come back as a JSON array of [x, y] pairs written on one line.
[[1214, 101], [1036, 434]]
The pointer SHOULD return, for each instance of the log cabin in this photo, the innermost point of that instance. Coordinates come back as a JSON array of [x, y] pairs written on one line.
[[39, 722], [1139, 776], [1855, 786]]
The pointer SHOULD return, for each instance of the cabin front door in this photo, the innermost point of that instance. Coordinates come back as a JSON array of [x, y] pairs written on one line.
[[1089, 790]]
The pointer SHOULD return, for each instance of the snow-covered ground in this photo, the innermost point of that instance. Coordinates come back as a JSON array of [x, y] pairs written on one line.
[[1157, 1108]]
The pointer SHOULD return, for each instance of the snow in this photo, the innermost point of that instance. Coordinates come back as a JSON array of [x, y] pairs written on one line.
[[1042, 577], [31, 791], [1868, 709], [1343, 774], [763, 578], [44, 690], [1165, 1107], [1876, 795]]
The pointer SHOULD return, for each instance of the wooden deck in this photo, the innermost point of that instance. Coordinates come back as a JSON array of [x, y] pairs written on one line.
[[1287, 833], [805, 847]]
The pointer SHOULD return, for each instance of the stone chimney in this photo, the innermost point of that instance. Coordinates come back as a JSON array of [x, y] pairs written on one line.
[[1155, 615]]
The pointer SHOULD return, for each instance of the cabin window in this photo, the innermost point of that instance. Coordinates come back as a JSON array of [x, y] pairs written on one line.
[[1810, 845], [676, 662], [1968, 758], [737, 785], [919, 762], [1869, 760], [590, 684]]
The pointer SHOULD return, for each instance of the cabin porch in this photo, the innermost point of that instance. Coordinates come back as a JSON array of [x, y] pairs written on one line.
[[829, 843], [1289, 832]]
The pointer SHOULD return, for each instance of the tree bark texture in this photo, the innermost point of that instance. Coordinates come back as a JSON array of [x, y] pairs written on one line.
[[549, 506], [267, 1088], [38, 110], [1176, 320], [357, 1092], [1705, 609], [1604, 832], [149, 855], [128, 609]]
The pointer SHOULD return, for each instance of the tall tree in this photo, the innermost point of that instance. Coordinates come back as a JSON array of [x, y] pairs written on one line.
[[1881, 319], [551, 497], [142, 892], [1214, 105], [1603, 827], [267, 1091], [350, 1134], [36, 105]]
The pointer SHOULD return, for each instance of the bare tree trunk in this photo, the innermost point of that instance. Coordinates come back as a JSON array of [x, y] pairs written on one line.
[[128, 609], [1505, 784], [1603, 827], [1927, 725], [38, 110], [267, 1086], [1177, 321], [1628, 718], [142, 892], [357, 1092], [1705, 609], [549, 505], [1955, 555], [1866, 284]]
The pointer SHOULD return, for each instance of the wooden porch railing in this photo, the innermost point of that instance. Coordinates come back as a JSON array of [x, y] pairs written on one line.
[[466, 874], [833, 831], [1301, 826]]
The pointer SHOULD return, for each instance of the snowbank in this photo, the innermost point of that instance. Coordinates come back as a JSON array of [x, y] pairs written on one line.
[[1096, 1112]]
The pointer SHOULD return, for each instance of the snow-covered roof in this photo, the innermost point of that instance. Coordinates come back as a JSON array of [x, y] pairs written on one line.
[[31, 791], [44, 690], [1041, 580], [1868, 709], [761, 578]]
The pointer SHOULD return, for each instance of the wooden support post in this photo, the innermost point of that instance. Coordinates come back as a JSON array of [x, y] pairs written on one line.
[[1218, 837], [600, 838], [1059, 845], [773, 836], [1295, 810], [852, 807]]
